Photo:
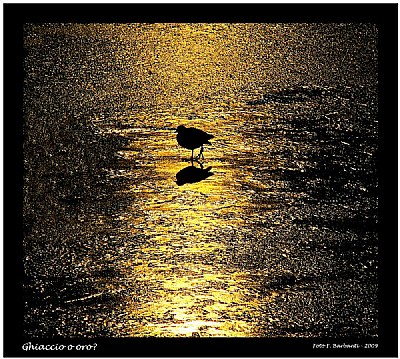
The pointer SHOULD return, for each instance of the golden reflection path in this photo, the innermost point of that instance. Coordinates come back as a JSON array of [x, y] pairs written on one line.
[[189, 288], [191, 291]]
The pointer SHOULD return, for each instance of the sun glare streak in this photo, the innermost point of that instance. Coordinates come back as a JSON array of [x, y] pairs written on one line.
[[192, 297]]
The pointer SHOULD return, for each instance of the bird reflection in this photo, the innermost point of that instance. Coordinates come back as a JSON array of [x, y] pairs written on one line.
[[193, 174]]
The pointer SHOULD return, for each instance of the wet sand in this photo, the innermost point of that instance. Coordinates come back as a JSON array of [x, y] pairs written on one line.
[[280, 241]]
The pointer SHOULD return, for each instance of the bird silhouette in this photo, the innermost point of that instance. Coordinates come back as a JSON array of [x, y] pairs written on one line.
[[192, 138]]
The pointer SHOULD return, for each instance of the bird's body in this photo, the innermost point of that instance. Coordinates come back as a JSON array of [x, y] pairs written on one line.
[[192, 138]]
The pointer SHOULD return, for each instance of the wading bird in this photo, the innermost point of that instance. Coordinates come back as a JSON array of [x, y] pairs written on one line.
[[192, 138]]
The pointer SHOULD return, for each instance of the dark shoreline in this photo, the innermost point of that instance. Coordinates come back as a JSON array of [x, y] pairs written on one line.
[[67, 188]]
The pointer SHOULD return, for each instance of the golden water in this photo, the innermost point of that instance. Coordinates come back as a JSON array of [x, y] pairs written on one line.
[[238, 254]]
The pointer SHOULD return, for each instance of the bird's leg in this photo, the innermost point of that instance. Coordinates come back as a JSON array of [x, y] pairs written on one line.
[[201, 152], [200, 155], [197, 157]]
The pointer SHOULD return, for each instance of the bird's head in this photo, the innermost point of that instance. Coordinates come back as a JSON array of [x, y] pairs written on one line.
[[180, 128]]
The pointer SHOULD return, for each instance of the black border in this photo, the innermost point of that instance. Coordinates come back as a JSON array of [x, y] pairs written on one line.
[[384, 15]]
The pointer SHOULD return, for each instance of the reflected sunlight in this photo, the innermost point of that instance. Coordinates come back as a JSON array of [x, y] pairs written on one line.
[[185, 224]]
